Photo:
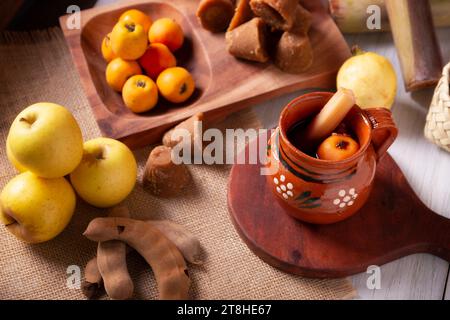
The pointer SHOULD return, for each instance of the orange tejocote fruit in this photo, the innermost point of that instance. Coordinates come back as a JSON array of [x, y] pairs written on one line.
[[107, 52], [175, 84], [137, 16], [166, 31], [156, 59], [140, 93], [128, 40], [337, 147], [119, 70]]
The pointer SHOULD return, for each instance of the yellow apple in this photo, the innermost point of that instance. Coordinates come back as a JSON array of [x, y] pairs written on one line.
[[36, 209], [371, 77], [13, 160], [46, 140], [107, 173]]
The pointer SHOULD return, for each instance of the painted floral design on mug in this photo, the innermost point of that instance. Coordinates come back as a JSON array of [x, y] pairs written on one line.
[[304, 200], [345, 198], [283, 187]]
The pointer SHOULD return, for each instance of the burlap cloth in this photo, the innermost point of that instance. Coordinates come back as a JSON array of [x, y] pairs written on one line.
[[37, 67]]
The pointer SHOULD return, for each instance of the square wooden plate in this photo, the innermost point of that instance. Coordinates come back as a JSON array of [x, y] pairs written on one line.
[[223, 83]]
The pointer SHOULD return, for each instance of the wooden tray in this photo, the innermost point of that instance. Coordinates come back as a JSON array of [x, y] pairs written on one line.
[[224, 84], [392, 224]]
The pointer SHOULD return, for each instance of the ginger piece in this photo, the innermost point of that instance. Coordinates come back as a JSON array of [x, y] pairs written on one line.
[[279, 14], [192, 127], [162, 176], [93, 281], [185, 241], [161, 254], [215, 15], [293, 53], [112, 263], [302, 22], [248, 41], [242, 14]]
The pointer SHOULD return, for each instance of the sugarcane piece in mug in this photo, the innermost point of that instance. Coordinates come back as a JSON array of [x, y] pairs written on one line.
[[308, 134]]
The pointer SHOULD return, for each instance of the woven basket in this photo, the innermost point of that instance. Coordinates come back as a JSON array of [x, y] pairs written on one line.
[[437, 127]]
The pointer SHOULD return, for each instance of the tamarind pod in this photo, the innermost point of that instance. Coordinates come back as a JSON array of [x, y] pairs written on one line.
[[161, 254], [112, 263], [185, 241], [92, 279]]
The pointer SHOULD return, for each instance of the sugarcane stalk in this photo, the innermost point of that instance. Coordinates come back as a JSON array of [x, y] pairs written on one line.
[[416, 42], [351, 16]]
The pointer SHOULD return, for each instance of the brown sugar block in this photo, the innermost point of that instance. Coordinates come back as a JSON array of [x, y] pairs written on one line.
[[294, 53], [248, 41], [242, 14], [279, 14], [215, 15], [192, 125], [162, 176], [303, 20]]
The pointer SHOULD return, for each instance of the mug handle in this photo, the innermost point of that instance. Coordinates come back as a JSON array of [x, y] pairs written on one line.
[[384, 130]]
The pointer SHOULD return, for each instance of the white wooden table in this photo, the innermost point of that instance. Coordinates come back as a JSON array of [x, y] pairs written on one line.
[[426, 167]]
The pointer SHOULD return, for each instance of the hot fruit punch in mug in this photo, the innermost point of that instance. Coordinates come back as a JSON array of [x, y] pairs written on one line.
[[323, 155], [326, 135]]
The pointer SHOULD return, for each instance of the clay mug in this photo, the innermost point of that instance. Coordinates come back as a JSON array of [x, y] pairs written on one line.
[[322, 191]]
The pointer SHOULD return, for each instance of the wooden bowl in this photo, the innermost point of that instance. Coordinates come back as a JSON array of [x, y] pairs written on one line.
[[223, 83]]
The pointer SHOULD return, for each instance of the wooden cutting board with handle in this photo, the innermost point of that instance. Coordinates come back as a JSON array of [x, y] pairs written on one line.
[[392, 224]]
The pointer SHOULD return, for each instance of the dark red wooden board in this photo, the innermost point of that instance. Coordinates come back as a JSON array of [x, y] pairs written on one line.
[[392, 224]]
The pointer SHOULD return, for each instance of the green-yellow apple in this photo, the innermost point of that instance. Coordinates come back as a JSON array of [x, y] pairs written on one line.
[[13, 160], [36, 209], [46, 140], [107, 173]]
